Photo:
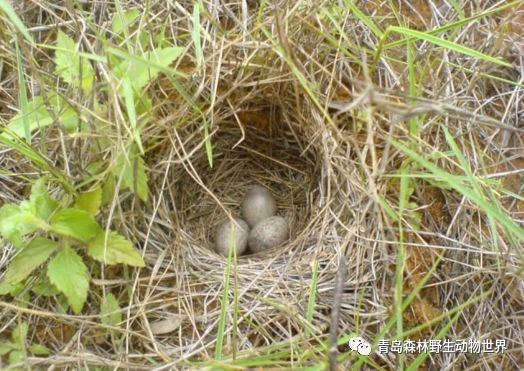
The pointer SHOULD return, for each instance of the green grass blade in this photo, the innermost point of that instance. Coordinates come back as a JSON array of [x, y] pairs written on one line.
[[486, 75], [470, 194], [172, 74], [22, 94], [195, 34], [415, 365], [458, 8], [312, 297], [401, 254], [38, 160], [450, 45], [231, 259], [460, 23], [363, 17], [6, 7]]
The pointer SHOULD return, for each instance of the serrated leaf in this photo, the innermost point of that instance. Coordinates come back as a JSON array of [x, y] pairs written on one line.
[[16, 222], [123, 20], [75, 223], [145, 68], [69, 274], [90, 201], [133, 172], [10, 223], [20, 334], [110, 311], [39, 350], [31, 256], [43, 204], [38, 116], [70, 66], [118, 250]]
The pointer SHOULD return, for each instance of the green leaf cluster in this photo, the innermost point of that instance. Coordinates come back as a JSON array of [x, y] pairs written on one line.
[[132, 74], [60, 234], [16, 349]]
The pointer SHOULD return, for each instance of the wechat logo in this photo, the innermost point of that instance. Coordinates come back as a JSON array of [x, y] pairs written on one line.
[[358, 344]]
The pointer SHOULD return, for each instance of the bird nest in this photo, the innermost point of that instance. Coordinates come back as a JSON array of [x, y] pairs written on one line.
[[272, 141]]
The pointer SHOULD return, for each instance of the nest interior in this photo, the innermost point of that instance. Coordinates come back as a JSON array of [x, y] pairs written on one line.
[[276, 156]]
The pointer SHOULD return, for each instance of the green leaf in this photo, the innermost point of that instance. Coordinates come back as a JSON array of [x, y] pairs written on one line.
[[75, 223], [110, 311], [108, 190], [39, 350], [10, 216], [118, 250], [90, 201], [133, 172], [31, 256], [6, 7], [131, 112], [43, 204], [145, 68], [13, 290], [20, 334], [45, 288], [16, 356], [69, 274], [70, 66], [122, 21], [16, 222], [6, 347], [37, 116], [6, 288]]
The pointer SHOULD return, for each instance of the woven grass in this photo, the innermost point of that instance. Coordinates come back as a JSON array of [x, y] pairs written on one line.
[[330, 159]]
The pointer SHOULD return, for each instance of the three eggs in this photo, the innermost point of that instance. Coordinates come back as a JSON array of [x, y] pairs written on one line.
[[260, 229]]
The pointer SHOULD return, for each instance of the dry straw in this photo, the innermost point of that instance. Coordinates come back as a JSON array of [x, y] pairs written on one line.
[[286, 93]]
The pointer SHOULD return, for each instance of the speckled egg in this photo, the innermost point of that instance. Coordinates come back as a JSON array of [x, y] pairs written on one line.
[[258, 204], [268, 233], [229, 234]]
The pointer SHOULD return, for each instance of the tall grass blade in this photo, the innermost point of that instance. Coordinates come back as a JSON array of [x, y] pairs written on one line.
[[195, 34], [22, 94], [450, 45], [6, 7], [312, 297], [469, 193], [363, 17]]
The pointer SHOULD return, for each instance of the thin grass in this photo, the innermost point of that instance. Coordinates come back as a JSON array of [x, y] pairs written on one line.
[[6, 7], [371, 160], [22, 97], [479, 199]]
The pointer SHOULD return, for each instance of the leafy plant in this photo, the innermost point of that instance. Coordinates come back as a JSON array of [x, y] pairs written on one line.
[[61, 233], [132, 74], [16, 350]]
